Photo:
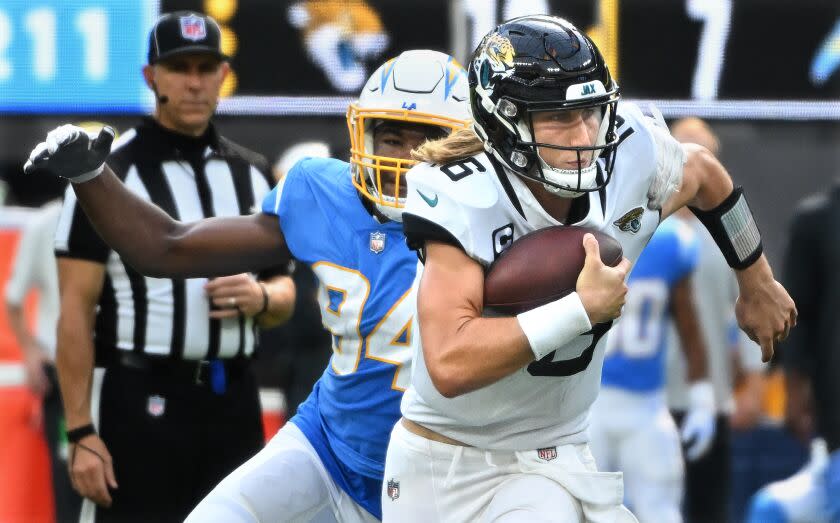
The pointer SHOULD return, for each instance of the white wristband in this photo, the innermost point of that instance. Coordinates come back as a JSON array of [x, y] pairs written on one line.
[[701, 395], [554, 324], [86, 177]]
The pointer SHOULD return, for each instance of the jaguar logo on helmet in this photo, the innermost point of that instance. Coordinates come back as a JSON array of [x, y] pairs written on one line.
[[500, 52], [495, 59]]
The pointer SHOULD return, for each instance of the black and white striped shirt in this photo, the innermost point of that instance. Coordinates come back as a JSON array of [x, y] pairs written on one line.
[[190, 179]]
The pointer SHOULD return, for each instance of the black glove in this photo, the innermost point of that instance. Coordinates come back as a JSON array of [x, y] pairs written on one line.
[[70, 152]]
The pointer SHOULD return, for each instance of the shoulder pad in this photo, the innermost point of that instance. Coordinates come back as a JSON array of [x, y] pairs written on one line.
[[460, 198]]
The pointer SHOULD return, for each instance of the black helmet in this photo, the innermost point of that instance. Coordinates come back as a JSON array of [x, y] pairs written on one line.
[[536, 64]]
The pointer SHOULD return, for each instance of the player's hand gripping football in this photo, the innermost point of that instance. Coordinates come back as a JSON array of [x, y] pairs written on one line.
[[602, 289], [91, 470], [764, 309], [70, 152]]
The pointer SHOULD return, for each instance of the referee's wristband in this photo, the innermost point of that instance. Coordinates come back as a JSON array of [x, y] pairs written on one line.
[[550, 326], [77, 434]]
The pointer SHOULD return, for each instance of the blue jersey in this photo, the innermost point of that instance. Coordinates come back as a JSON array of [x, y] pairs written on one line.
[[365, 272], [635, 357]]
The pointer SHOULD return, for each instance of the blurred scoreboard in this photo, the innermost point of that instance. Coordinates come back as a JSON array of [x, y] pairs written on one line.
[[74, 55], [310, 56]]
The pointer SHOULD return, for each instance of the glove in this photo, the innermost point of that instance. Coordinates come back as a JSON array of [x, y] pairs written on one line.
[[70, 152], [698, 427], [670, 159]]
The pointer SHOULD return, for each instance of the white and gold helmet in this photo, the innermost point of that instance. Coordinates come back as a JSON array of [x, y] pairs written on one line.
[[420, 87]]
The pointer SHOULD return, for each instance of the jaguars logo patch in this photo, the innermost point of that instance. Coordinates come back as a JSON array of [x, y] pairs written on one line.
[[631, 221]]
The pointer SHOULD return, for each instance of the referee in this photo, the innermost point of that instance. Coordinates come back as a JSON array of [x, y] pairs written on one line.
[[173, 405]]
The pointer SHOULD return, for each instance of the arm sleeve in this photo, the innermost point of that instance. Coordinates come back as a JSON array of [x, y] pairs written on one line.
[[801, 278], [75, 237]]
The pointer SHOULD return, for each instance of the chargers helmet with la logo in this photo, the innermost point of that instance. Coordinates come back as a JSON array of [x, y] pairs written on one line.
[[535, 64], [422, 87]]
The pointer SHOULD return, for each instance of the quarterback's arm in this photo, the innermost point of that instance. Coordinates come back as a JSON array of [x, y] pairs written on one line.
[[462, 350], [465, 351], [765, 310], [156, 245], [705, 182]]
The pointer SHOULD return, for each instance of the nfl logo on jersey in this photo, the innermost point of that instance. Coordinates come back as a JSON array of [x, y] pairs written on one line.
[[377, 242], [393, 489], [547, 454], [193, 28]]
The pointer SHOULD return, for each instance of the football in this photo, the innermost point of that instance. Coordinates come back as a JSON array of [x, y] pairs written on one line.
[[542, 266]]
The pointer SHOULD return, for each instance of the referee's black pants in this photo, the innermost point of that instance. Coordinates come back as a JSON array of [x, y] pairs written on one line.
[[707, 480], [172, 439]]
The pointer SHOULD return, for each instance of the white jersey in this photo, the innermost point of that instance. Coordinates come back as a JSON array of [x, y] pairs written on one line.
[[484, 209]]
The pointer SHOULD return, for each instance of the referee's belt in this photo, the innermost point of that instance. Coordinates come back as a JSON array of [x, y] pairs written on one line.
[[195, 371]]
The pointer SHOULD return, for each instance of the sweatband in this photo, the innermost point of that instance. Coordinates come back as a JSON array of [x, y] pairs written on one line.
[[550, 326], [75, 435], [733, 228]]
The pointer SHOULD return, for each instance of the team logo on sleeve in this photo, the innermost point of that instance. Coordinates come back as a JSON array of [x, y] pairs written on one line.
[[393, 489], [631, 222], [377, 242]]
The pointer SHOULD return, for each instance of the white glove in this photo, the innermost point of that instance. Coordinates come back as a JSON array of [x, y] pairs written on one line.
[[670, 158], [698, 428], [70, 152]]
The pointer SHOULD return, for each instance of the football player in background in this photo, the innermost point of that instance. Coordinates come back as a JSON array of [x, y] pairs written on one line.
[[495, 421], [327, 463], [631, 429]]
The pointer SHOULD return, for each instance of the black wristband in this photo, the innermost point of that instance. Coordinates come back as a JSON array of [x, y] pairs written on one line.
[[732, 226], [265, 297], [76, 435]]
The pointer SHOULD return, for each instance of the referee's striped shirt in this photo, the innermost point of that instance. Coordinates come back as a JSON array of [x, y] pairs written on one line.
[[190, 179]]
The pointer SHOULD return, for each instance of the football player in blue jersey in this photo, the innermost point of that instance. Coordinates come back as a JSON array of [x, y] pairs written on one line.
[[630, 427], [340, 218], [805, 497]]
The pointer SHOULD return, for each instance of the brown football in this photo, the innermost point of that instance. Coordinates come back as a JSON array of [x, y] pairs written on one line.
[[542, 266]]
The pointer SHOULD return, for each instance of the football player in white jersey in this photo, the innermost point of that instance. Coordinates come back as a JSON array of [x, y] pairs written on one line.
[[495, 421]]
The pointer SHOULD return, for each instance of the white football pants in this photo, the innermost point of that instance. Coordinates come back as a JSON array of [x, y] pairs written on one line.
[[427, 481], [284, 482], [634, 433]]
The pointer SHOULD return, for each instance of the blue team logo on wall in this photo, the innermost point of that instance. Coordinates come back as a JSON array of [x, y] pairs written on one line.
[[193, 28]]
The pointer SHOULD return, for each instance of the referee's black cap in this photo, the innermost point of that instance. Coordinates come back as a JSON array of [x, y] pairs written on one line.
[[183, 32]]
